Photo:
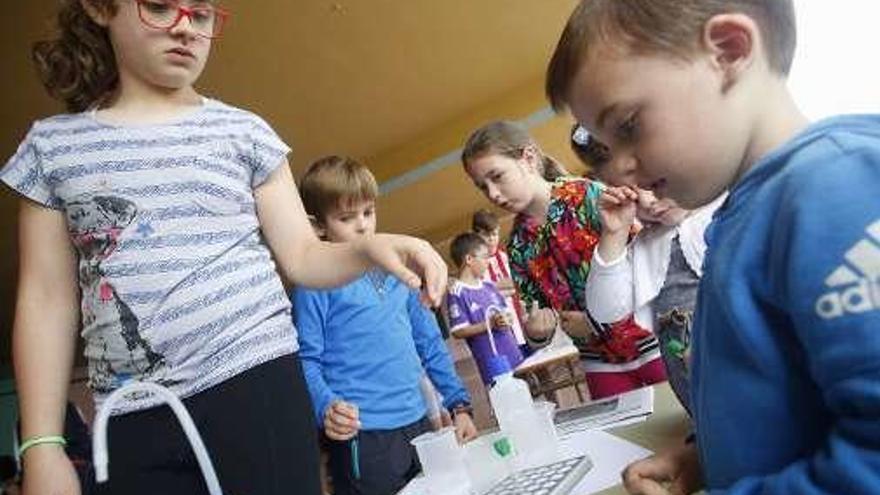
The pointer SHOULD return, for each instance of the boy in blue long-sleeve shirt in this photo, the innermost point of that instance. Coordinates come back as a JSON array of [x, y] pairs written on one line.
[[365, 347], [691, 98]]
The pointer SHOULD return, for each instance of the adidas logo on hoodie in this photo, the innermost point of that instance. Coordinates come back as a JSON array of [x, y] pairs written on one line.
[[855, 285]]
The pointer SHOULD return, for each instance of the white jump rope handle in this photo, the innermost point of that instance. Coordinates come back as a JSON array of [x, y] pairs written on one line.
[[99, 437], [487, 317]]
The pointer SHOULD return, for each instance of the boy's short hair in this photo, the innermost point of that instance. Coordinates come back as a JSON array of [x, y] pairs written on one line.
[[333, 181], [484, 221], [672, 27], [463, 245]]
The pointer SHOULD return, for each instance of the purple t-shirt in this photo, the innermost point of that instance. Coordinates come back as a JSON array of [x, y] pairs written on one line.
[[467, 305]]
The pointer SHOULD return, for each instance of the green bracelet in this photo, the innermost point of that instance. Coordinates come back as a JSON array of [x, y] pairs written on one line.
[[32, 441]]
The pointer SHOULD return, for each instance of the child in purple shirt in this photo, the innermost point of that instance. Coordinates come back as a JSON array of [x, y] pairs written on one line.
[[470, 297]]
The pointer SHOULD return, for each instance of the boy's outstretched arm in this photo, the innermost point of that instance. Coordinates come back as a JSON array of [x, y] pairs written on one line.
[[307, 261]]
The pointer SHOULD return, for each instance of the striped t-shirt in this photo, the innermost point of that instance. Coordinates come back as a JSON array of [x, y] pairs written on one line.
[[177, 285]]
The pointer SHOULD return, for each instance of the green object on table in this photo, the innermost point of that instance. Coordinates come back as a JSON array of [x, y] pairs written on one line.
[[502, 447]]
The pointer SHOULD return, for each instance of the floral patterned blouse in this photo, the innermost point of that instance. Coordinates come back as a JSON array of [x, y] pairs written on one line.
[[550, 262]]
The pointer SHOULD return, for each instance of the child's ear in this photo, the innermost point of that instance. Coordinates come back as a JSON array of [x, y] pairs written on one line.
[[532, 157], [733, 40], [470, 260], [99, 15]]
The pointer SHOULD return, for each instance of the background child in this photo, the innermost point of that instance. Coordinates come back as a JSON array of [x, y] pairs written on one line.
[[786, 348], [551, 245], [152, 210], [485, 224], [654, 277], [470, 297], [364, 347]]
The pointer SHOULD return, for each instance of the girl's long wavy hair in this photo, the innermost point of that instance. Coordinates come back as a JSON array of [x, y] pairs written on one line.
[[78, 67]]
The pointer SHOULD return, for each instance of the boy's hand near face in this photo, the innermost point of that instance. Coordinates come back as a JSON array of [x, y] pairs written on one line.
[[617, 209], [341, 421], [617, 212], [674, 472]]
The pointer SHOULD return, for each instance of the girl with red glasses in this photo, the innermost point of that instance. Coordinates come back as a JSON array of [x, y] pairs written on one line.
[[159, 223]]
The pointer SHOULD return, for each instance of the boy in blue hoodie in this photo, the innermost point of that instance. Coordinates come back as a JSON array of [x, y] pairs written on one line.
[[691, 98], [365, 346]]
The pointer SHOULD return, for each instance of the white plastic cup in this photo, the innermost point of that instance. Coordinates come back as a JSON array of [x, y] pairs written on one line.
[[442, 462], [534, 436], [527, 438], [545, 411]]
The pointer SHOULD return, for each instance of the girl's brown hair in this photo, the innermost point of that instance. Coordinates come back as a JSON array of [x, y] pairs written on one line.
[[78, 67], [508, 139]]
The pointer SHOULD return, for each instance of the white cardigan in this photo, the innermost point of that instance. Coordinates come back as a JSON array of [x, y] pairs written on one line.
[[628, 284]]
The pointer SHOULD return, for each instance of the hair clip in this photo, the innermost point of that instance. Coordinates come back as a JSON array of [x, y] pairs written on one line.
[[580, 136]]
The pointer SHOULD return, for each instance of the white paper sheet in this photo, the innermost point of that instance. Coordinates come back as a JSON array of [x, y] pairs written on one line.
[[610, 455]]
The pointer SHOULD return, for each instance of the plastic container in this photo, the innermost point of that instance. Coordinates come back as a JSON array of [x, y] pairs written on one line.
[[544, 441], [442, 462], [512, 403], [508, 396], [546, 412]]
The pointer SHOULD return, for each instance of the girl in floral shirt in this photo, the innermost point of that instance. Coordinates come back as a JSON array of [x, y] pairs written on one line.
[[551, 245]]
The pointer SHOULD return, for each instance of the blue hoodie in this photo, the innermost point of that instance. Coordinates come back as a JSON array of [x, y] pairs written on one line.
[[786, 371]]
